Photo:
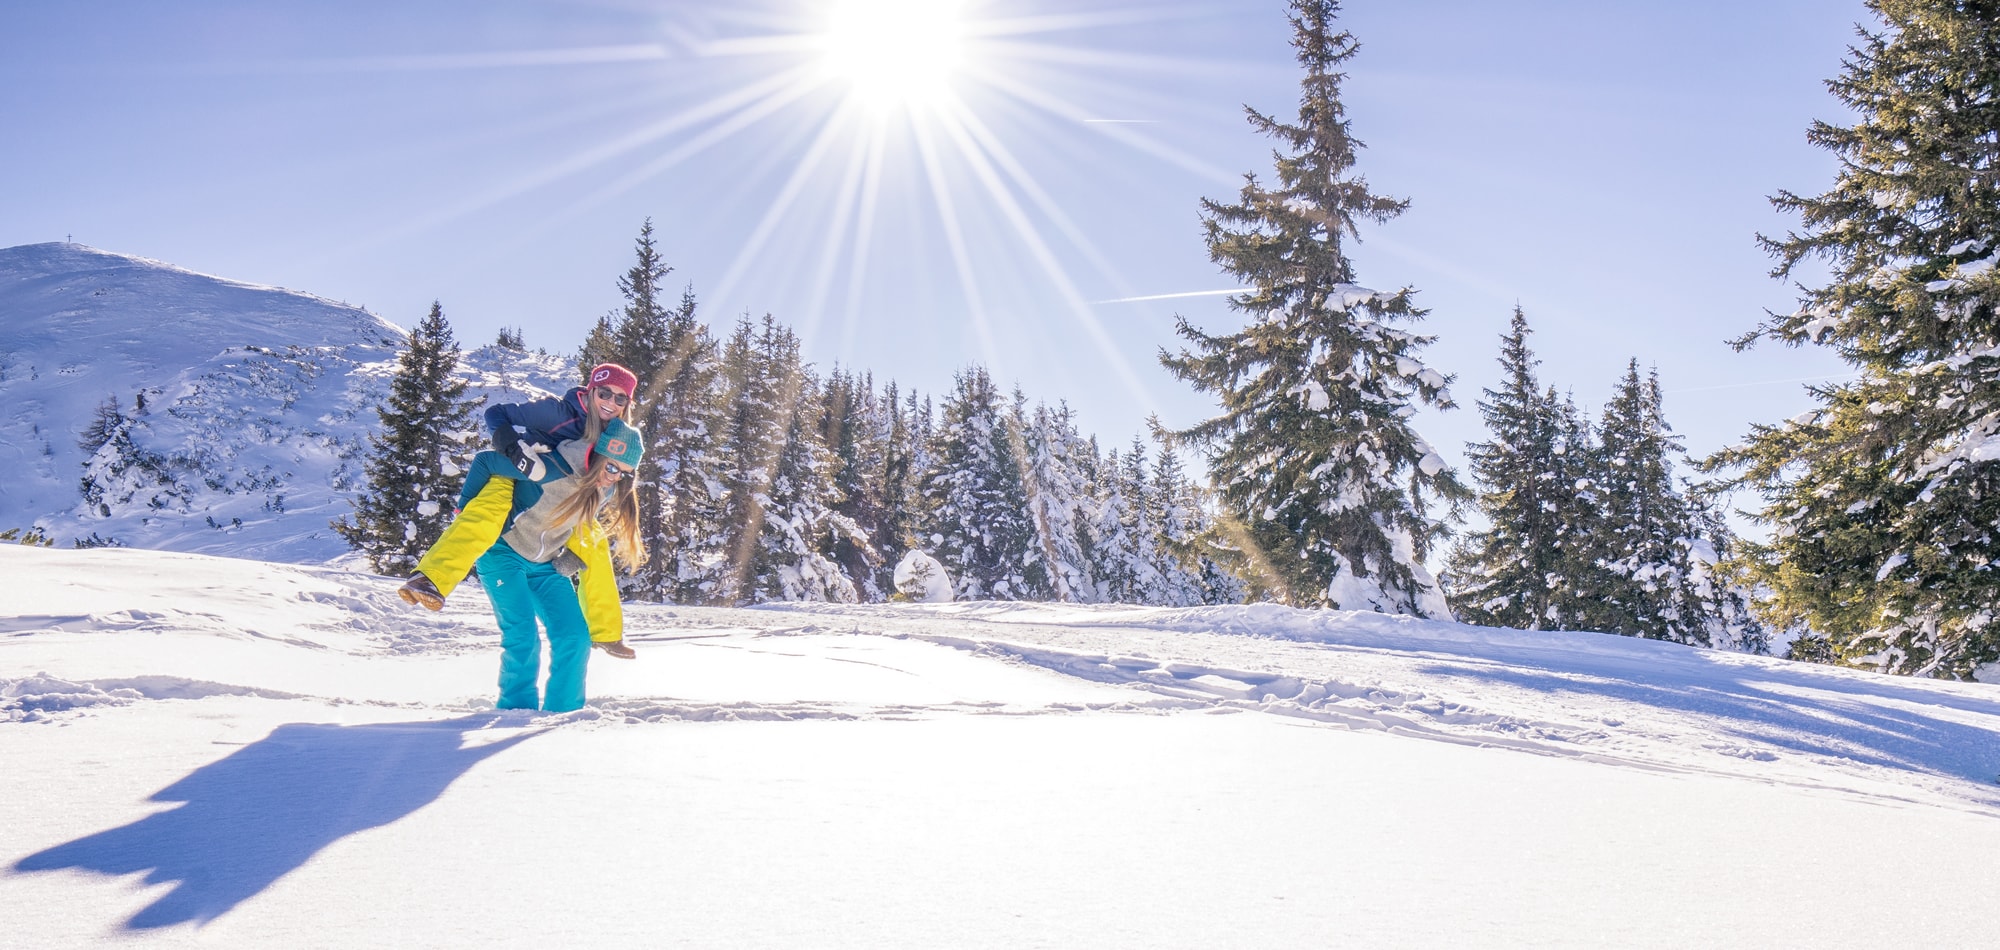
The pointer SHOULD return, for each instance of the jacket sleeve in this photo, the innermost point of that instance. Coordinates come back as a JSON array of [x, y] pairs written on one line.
[[597, 585], [540, 418]]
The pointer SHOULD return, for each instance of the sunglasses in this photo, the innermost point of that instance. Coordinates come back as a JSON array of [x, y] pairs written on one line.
[[617, 469], [607, 394]]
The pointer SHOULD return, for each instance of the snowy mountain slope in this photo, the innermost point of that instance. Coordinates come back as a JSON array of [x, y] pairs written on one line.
[[246, 408], [229, 753]]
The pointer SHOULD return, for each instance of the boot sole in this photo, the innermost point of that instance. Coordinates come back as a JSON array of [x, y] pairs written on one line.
[[420, 599]]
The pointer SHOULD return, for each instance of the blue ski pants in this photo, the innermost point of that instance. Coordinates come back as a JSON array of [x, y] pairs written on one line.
[[524, 592]]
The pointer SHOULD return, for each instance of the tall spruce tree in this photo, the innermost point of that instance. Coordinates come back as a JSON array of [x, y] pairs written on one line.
[[977, 501], [756, 414], [1578, 510], [903, 461], [854, 427], [1178, 552], [1314, 453], [1116, 555], [1511, 573], [671, 352], [1715, 579], [800, 528], [1884, 500], [1638, 573], [1058, 502], [416, 462]]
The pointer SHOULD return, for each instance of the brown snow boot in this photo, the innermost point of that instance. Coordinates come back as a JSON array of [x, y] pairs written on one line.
[[419, 590], [616, 648]]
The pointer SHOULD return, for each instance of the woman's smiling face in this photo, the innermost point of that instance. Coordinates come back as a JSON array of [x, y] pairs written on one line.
[[608, 403]]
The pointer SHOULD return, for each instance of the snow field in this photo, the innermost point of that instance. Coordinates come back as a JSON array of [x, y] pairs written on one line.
[[217, 753]]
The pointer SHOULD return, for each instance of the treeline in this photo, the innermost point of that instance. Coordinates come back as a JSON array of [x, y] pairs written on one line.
[[766, 480], [1588, 527]]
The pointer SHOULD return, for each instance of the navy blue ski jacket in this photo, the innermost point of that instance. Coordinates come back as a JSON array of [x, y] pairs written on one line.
[[550, 422]]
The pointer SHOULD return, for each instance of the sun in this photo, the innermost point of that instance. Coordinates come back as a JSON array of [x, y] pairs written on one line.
[[894, 53]]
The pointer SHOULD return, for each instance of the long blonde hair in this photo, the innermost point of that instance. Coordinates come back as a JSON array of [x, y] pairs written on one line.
[[621, 521]]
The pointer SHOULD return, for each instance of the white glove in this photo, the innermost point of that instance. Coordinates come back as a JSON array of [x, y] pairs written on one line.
[[531, 456]]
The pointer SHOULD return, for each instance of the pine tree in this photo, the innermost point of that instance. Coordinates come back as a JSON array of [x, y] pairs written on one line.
[[754, 420], [903, 464], [671, 352], [1178, 552], [1574, 583], [1142, 526], [1113, 551], [1507, 575], [1716, 580], [977, 501], [1057, 502], [1883, 501], [416, 462], [800, 526], [679, 403], [1313, 449], [1640, 555], [854, 427]]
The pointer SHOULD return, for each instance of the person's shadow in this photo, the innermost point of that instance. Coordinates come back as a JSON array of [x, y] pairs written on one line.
[[256, 815]]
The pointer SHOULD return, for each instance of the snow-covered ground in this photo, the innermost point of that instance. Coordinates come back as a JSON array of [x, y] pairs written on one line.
[[226, 753]]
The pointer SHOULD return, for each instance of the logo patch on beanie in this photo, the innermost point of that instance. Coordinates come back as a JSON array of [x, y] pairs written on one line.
[[615, 447], [600, 376]]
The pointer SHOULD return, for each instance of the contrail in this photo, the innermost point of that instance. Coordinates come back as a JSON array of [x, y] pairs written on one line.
[[1191, 293], [575, 56]]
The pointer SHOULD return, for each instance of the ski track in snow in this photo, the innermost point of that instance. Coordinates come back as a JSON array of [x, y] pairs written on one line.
[[1590, 697]]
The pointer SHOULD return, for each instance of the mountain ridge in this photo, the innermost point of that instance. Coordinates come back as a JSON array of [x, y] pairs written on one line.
[[234, 416]]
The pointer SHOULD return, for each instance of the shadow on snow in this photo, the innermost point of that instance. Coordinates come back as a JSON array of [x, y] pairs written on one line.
[[255, 816], [1884, 724]]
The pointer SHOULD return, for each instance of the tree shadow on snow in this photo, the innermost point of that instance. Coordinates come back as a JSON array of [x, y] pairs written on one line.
[[253, 817], [1882, 724]]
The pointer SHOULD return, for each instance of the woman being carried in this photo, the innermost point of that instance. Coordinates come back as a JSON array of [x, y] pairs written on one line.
[[550, 571], [523, 432]]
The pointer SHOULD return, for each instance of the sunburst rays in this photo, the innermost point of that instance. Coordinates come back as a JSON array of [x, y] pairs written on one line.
[[814, 152]]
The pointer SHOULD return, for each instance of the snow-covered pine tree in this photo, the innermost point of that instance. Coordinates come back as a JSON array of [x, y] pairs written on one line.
[[671, 352], [1884, 500], [1115, 554], [639, 338], [1178, 552], [978, 505], [904, 460], [1715, 579], [800, 525], [755, 416], [115, 468], [1511, 573], [1142, 512], [1058, 500], [1573, 585], [416, 462], [1638, 556], [854, 427], [1313, 451], [681, 405], [1038, 580]]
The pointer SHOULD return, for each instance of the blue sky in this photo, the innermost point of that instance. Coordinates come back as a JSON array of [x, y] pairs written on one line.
[[1603, 164]]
